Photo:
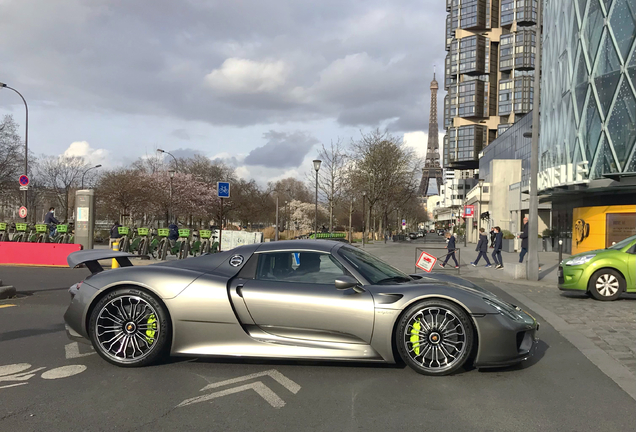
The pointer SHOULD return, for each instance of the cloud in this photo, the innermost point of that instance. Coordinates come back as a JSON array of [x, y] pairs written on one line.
[[181, 134], [83, 149], [283, 150], [247, 76], [184, 153]]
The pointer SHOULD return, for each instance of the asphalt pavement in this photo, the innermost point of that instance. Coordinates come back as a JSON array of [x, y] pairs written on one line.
[[48, 383]]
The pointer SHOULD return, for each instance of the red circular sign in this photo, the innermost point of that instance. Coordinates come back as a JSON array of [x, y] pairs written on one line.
[[22, 212], [24, 180]]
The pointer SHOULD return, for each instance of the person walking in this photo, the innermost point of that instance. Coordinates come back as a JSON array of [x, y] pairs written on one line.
[[451, 247], [524, 240], [482, 248], [493, 235], [49, 219], [496, 254]]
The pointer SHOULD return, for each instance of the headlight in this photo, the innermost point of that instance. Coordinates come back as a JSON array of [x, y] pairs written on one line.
[[504, 309], [579, 260]]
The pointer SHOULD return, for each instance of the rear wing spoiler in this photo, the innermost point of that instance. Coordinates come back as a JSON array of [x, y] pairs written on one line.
[[91, 259]]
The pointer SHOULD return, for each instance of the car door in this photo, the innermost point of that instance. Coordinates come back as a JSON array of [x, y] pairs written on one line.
[[631, 268], [292, 294]]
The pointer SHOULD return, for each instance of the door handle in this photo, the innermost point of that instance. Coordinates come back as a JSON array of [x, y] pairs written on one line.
[[239, 290]]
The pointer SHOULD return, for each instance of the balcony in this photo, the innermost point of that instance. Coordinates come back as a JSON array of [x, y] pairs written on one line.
[[463, 146], [524, 12], [515, 95], [470, 101], [473, 14], [472, 55]]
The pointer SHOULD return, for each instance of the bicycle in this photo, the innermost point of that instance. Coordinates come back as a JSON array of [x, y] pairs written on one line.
[[63, 235], [208, 243], [4, 232], [182, 245], [19, 232], [124, 240], [32, 236], [143, 241], [42, 233], [164, 243]]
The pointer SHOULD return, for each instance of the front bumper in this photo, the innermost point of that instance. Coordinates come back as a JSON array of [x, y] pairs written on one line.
[[503, 341], [572, 278]]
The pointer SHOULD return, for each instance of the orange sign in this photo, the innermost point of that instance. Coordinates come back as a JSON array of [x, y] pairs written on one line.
[[598, 227], [426, 262]]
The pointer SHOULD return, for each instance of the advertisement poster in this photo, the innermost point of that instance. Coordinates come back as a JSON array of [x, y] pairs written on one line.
[[598, 227]]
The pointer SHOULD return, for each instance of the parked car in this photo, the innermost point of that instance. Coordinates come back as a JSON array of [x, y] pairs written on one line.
[[297, 299], [605, 274], [412, 236]]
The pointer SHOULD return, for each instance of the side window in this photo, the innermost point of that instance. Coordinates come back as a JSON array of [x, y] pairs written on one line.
[[299, 267], [632, 250]]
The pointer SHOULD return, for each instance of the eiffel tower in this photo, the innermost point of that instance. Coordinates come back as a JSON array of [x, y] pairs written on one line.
[[432, 169]]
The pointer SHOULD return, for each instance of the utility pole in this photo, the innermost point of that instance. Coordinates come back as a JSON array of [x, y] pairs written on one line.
[[364, 196], [276, 231], [533, 219]]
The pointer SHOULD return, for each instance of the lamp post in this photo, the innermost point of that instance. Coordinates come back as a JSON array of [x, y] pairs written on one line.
[[91, 168], [170, 214], [26, 136], [285, 221], [276, 230], [176, 163], [481, 187], [317, 163], [364, 225]]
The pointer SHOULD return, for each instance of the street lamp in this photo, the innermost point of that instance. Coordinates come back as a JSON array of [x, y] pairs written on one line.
[[171, 173], [481, 188], [96, 166], [176, 164], [317, 163], [364, 219], [26, 135]]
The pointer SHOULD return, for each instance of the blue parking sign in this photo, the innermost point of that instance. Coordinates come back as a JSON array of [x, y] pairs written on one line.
[[223, 189]]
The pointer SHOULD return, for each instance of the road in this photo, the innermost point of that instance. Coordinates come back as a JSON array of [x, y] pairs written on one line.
[[48, 383]]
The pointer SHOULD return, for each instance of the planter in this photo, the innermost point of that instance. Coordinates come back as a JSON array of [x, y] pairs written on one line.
[[508, 245], [540, 246], [547, 244]]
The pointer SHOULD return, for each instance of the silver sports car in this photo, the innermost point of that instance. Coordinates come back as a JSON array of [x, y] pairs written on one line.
[[299, 299]]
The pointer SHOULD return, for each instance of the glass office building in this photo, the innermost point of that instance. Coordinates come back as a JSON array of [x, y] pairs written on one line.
[[587, 150]]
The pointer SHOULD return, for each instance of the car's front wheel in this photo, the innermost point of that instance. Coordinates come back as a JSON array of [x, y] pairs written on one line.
[[130, 328], [435, 337], [606, 285]]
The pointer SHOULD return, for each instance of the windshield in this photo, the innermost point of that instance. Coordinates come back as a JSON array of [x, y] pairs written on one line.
[[621, 244], [372, 268]]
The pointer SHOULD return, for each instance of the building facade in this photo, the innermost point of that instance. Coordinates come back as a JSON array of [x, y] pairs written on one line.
[[489, 73], [587, 149]]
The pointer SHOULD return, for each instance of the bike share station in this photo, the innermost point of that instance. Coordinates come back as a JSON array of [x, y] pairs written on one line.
[[32, 247]]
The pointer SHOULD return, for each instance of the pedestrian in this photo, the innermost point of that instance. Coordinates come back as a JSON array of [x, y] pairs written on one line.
[[114, 233], [524, 240], [493, 234], [50, 220], [482, 248], [450, 246], [496, 254]]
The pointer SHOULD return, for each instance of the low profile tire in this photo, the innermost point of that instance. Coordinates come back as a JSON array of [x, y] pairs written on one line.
[[434, 337], [606, 285], [130, 328]]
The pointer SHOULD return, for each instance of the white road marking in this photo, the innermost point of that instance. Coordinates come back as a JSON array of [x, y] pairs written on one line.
[[72, 351], [13, 368], [13, 385], [273, 373], [63, 372], [260, 388], [15, 372]]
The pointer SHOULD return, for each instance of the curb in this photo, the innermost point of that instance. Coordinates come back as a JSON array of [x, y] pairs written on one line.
[[7, 292], [609, 366]]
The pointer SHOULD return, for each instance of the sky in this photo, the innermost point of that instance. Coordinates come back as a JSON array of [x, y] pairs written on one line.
[[259, 84]]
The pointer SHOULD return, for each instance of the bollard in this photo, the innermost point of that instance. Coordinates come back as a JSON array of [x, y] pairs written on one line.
[[560, 251], [115, 264]]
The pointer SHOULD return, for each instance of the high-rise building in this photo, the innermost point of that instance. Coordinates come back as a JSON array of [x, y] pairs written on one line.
[[488, 73]]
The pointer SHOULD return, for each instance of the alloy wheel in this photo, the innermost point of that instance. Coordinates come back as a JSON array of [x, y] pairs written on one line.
[[127, 328], [435, 338], [607, 285]]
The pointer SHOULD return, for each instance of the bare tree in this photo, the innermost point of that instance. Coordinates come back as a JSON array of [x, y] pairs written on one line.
[[11, 157], [61, 174], [333, 176]]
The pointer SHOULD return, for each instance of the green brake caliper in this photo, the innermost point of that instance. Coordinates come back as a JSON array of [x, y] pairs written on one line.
[[150, 330], [415, 337]]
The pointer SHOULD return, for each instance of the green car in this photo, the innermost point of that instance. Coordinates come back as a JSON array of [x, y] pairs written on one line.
[[604, 273]]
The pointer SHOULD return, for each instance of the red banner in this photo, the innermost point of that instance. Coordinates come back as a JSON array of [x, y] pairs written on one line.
[[36, 254]]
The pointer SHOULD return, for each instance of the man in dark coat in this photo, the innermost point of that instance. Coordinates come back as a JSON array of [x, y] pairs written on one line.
[[524, 240], [50, 220], [482, 248], [496, 254], [451, 250]]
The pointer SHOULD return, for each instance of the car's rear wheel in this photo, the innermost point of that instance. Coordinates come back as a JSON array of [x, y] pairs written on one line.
[[606, 285], [435, 337], [130, 328]]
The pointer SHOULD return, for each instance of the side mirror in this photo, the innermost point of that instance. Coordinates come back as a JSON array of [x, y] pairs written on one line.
[[345, 282]]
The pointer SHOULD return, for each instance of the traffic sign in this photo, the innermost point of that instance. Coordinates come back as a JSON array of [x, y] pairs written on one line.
[[24, 180], [469, 211], [23, 188], [22, 212], [403, 222], [223, 189], [426, 262]]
